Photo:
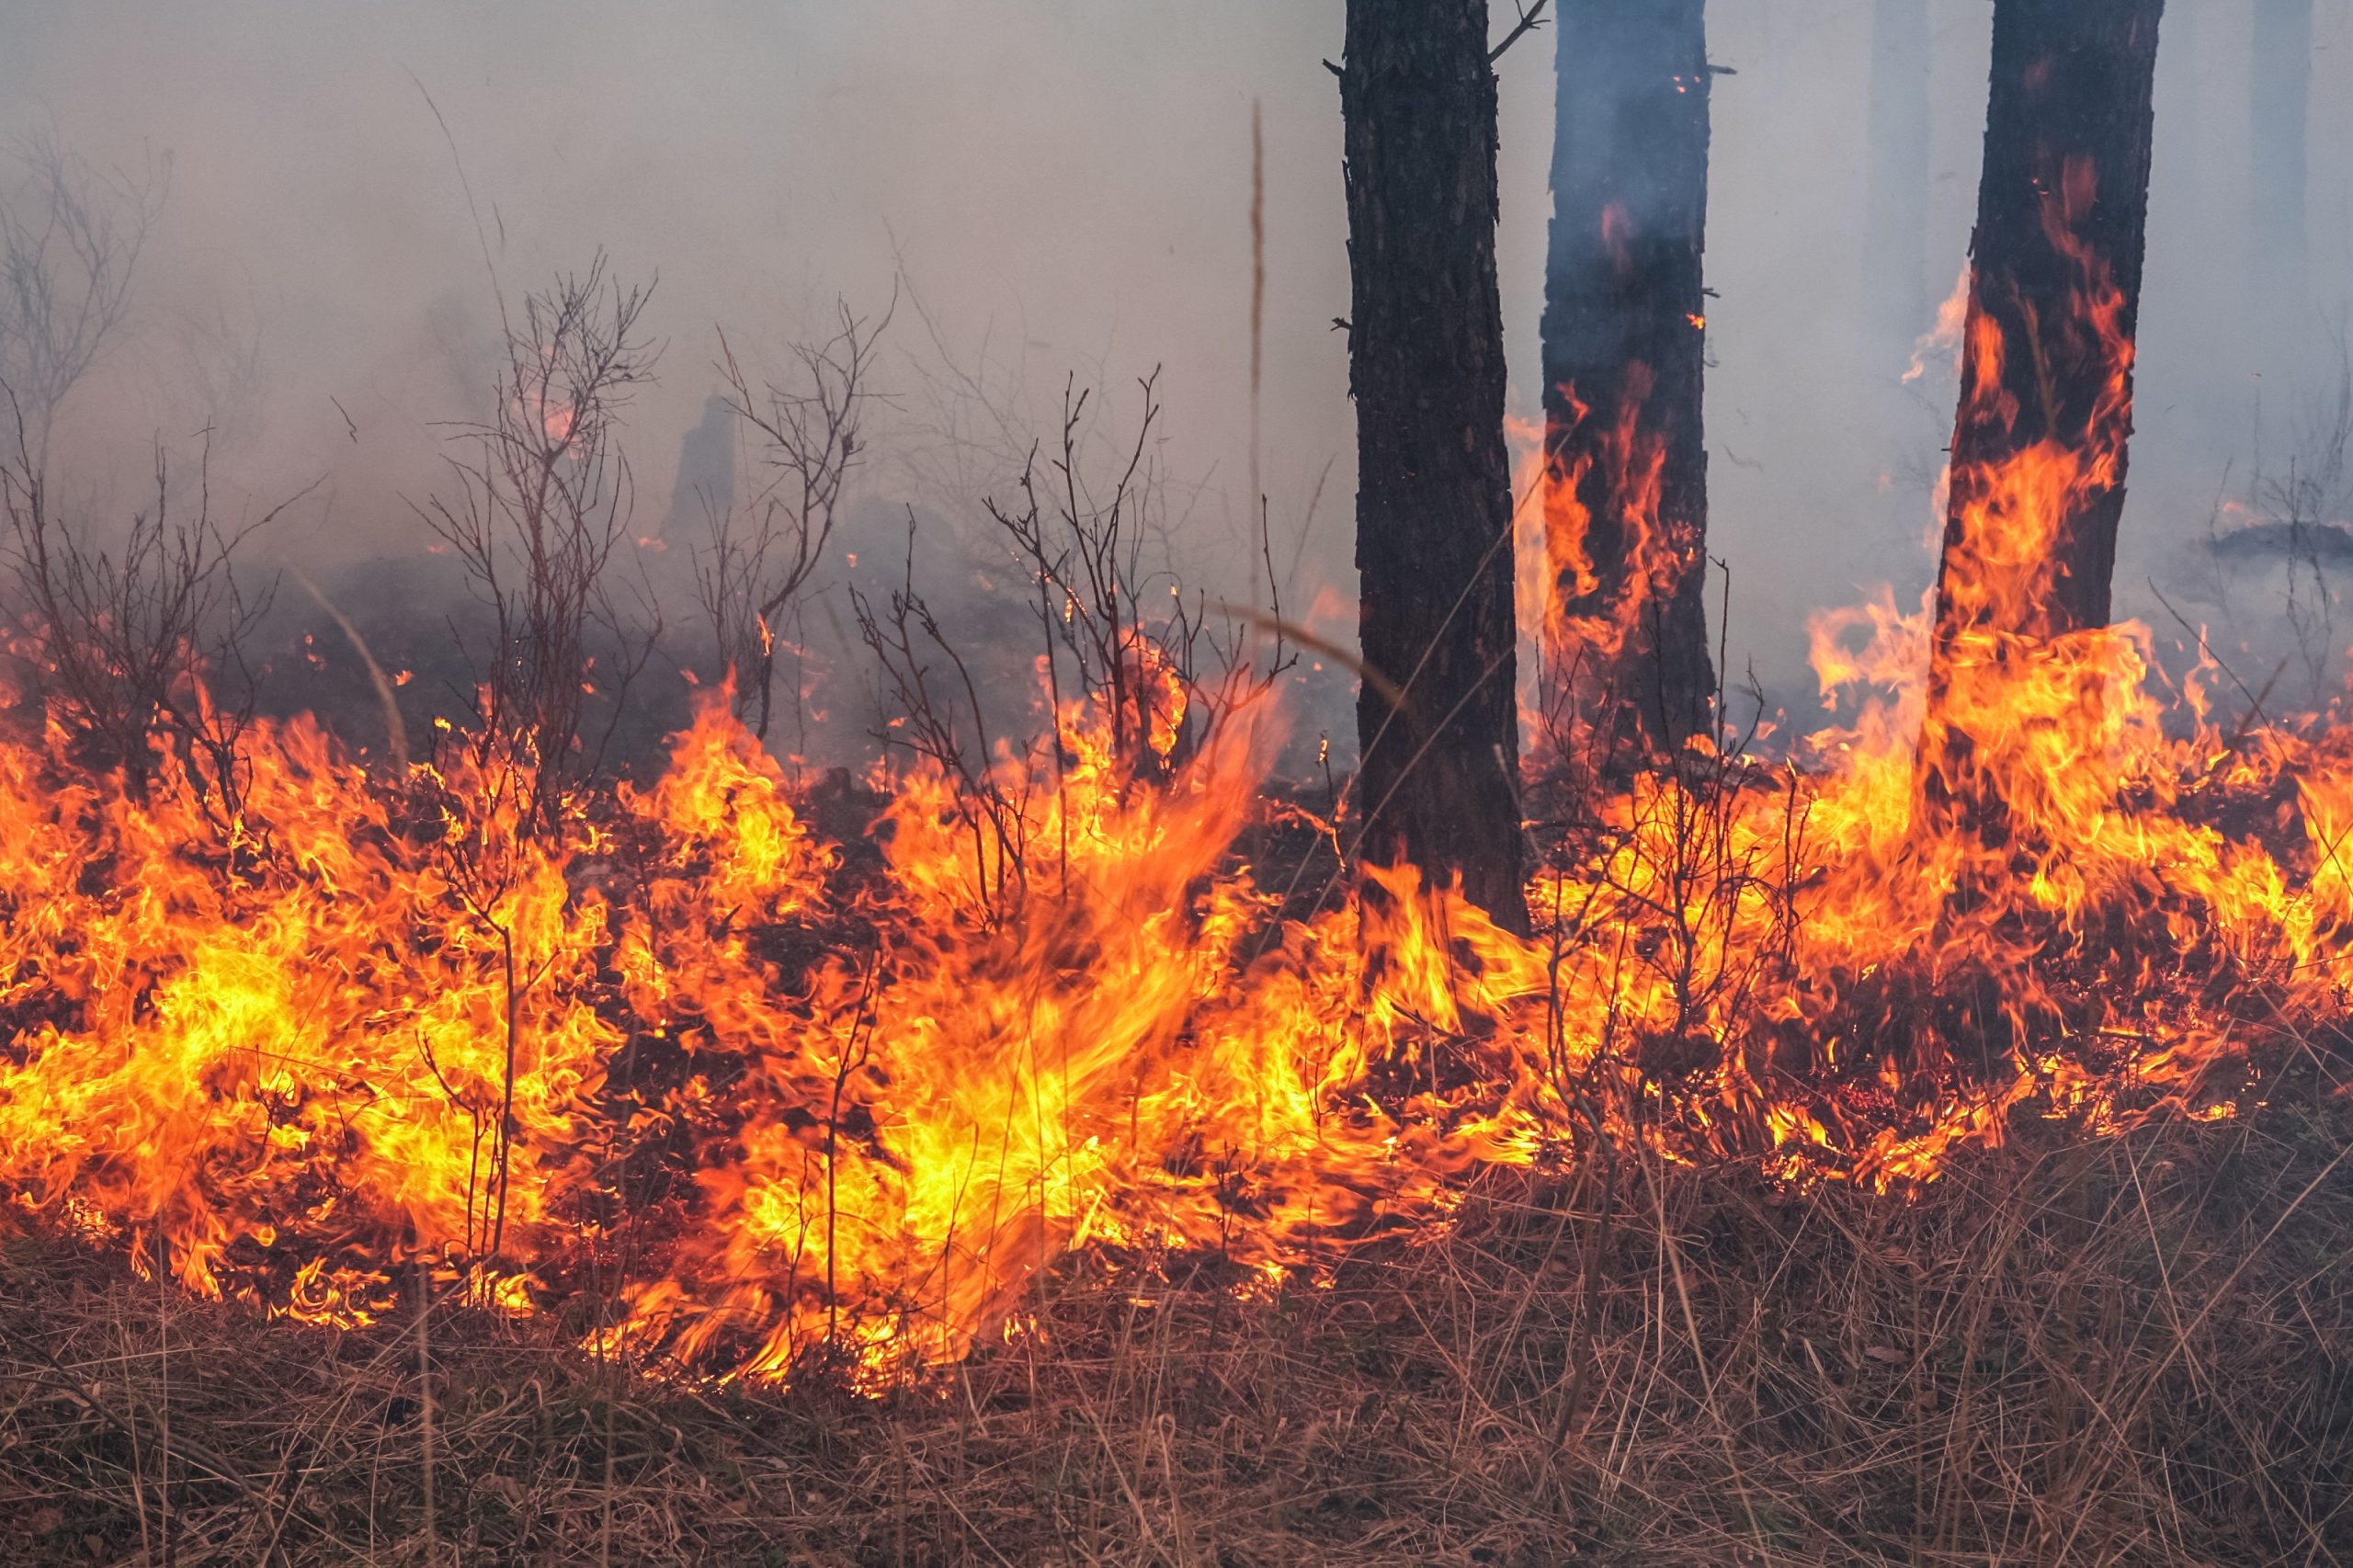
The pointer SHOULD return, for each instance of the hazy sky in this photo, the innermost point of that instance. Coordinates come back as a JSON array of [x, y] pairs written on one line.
[[1065, 184]]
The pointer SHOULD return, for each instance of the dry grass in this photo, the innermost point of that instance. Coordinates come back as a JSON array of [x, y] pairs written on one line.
[[2139, 1351]]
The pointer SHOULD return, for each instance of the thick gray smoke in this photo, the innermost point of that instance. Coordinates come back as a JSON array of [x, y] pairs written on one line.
[[1060, 188]]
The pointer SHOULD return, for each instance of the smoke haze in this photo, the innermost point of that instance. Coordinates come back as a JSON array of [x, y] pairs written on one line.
[[1064, 188]]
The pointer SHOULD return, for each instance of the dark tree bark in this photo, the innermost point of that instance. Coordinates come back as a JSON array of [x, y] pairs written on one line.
[[1896, 203], [1439, 782], [2053, 309], [2279, 96], [1624, 346]]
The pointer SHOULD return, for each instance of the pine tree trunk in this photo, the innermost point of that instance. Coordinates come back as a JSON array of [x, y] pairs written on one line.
[[2053, 309], [1896, 203], [1624, 346], [1439, 782], [2280, 91]]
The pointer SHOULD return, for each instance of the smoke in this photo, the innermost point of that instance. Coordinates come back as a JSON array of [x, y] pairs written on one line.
[[1064, 186]]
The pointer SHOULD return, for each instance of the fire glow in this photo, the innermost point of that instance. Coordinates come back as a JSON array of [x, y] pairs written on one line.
[[759, 1095], [277, 1063]]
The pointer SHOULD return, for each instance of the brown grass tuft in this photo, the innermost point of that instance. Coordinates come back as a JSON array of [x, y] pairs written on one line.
[[2138, 1351]]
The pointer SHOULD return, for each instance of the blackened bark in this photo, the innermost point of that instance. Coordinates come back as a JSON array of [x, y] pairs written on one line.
[[1895, 201], [1624, 346], [2280, 91], [2053, 308], [1439, 782]]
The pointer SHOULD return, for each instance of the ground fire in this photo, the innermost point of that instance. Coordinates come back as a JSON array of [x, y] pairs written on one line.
[[680, 1052], [727, 1075]]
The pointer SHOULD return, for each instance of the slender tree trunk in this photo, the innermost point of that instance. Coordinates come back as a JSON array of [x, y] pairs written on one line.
[[1624, 348], [2046, 408], [2037, 485], [2279, 95], [1438, 784], [1895, 203]]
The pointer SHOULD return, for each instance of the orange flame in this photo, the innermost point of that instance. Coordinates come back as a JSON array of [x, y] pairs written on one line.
[[281, 1073], [773, 1095]]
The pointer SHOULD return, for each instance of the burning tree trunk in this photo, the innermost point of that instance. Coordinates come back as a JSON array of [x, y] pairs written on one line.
[[1438, 785], [2280, 90], [2046, 408], [1896, 215], [1624, 333]]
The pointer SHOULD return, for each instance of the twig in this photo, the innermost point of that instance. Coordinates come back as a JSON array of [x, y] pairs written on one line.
[[1531, 18]]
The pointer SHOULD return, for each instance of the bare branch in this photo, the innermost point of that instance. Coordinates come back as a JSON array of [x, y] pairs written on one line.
[[139, 649], [760, 557], [541, 504], [70, 244], [1531, 18]]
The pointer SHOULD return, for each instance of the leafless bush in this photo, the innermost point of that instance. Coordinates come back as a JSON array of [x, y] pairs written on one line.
[[222, 368], [1109, 643], [760, 557], [139, 647], [70, 242], [939, 718], [2298, 507], [968, 424], [1096, 597], [542, 505]]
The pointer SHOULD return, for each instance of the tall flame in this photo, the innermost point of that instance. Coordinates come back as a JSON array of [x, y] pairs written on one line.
[[743, 1094], [774, 1100]]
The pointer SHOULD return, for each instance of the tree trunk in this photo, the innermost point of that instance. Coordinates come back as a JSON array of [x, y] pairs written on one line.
[[1895, 203], [2280, 89], [2046, 408], [1438, 784], [1624, 344]]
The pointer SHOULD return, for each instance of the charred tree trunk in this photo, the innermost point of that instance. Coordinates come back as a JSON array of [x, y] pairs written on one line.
[[2037, 485], [1895, 205], [1438, 783], [1624, 346], [2280, 90], [2053, 309]]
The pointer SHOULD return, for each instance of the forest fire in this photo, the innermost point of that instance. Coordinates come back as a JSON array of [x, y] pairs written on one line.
[[965, 972], [678, 1054], [663, 1058]]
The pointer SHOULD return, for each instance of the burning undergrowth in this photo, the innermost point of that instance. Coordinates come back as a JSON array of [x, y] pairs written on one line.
[[723, 1073], [723, 1092]]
